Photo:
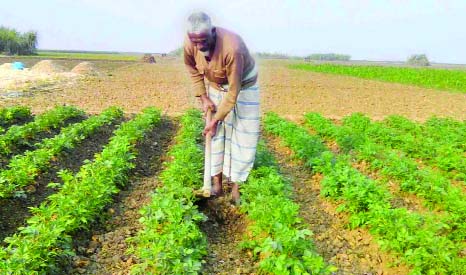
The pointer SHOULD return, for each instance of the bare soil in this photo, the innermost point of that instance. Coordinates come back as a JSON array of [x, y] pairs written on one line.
[[289, 92], [292, 93], [225, 230]]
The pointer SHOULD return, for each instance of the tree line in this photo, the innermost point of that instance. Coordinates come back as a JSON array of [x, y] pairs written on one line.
[[13, 42]]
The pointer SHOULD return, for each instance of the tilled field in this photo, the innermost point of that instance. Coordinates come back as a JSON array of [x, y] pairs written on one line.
[[345, 195], [288, 92]]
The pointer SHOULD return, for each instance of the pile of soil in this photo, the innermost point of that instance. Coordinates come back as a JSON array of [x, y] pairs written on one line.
[[5, 66], [47, 67], [85, 68]]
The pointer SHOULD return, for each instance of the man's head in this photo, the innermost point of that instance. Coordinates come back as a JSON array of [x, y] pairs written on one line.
[[201, 32]]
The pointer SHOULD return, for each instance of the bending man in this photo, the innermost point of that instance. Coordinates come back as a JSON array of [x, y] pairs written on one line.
[[221, 57]]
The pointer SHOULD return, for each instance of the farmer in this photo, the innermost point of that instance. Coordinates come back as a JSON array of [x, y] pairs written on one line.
[[221, 57]]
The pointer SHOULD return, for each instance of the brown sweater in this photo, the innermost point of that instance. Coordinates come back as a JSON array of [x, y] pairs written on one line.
[[229, 64]]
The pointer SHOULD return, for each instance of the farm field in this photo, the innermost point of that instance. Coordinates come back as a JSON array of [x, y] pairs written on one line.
[[352, 176], [452, 80]]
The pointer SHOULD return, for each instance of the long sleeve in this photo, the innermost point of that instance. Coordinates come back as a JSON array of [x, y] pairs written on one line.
[[196, 76], [234, 71]]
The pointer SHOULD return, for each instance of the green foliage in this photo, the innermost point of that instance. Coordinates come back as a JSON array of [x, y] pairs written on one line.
[[13, 42], [277, 236], [23, 169], [80, 200], [84, 55], [417, 238], [268, 55], [418, 60], [424, 182], [439, 142], [329, 57], [171, 241], [178, 52], [10, 115], [449, 80], [21, 135]]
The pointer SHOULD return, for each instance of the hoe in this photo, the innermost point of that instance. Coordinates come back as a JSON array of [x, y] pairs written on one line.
[[205, 191]]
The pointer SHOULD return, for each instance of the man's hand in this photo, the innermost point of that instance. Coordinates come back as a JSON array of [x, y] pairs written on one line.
[[211, 128], [207, 103]]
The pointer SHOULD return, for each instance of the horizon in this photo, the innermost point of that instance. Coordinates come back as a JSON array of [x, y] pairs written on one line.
[[365, 30]]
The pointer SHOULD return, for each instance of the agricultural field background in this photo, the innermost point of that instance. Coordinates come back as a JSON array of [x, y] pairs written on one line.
[[451, 80], [134, 85], [354, 175], [44, 54]]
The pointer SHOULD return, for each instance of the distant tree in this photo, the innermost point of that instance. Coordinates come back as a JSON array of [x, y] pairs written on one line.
[[418, 60], [177, 52], [271, 55], [328, 57], [13, 42]]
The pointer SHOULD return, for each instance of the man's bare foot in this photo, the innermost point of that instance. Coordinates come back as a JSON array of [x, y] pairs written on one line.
[[235, 195], [217, 189]]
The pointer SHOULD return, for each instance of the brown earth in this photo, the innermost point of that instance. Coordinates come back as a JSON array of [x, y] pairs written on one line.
[[294, 92], [48, 67], [85, 68], [225, 229], [289, 92]]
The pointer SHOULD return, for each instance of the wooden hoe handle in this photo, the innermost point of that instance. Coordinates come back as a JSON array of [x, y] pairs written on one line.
[[206, 189]]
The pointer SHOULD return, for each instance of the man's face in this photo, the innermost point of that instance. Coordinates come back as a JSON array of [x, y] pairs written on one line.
[[203, 41]]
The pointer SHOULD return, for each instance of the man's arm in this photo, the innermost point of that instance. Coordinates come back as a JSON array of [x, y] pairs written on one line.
[[196, 77], [234, 70]]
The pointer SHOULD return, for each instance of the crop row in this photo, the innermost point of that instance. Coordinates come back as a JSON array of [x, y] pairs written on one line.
[[10, 115], [171, 241], [451, 80], [355, 136], [442, 130], [80, 199], [18, 135], [439, 142], [417, 238], [23, 169], [276, 235]]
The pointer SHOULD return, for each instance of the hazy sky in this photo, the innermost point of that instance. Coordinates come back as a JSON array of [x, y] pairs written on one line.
[[374, 30]]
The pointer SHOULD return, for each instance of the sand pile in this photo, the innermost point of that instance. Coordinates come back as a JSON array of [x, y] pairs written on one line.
[[5, 66], [47, 67], [85, 68]]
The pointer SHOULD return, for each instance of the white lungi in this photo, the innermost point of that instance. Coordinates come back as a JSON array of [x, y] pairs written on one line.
[[234, 145]]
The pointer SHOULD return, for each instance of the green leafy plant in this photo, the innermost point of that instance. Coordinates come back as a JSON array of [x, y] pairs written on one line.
[[10, 115], [278, 237], [450, 80], [171, 241], [417, 238], [19, 135], [440, 143], [424, 182]]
